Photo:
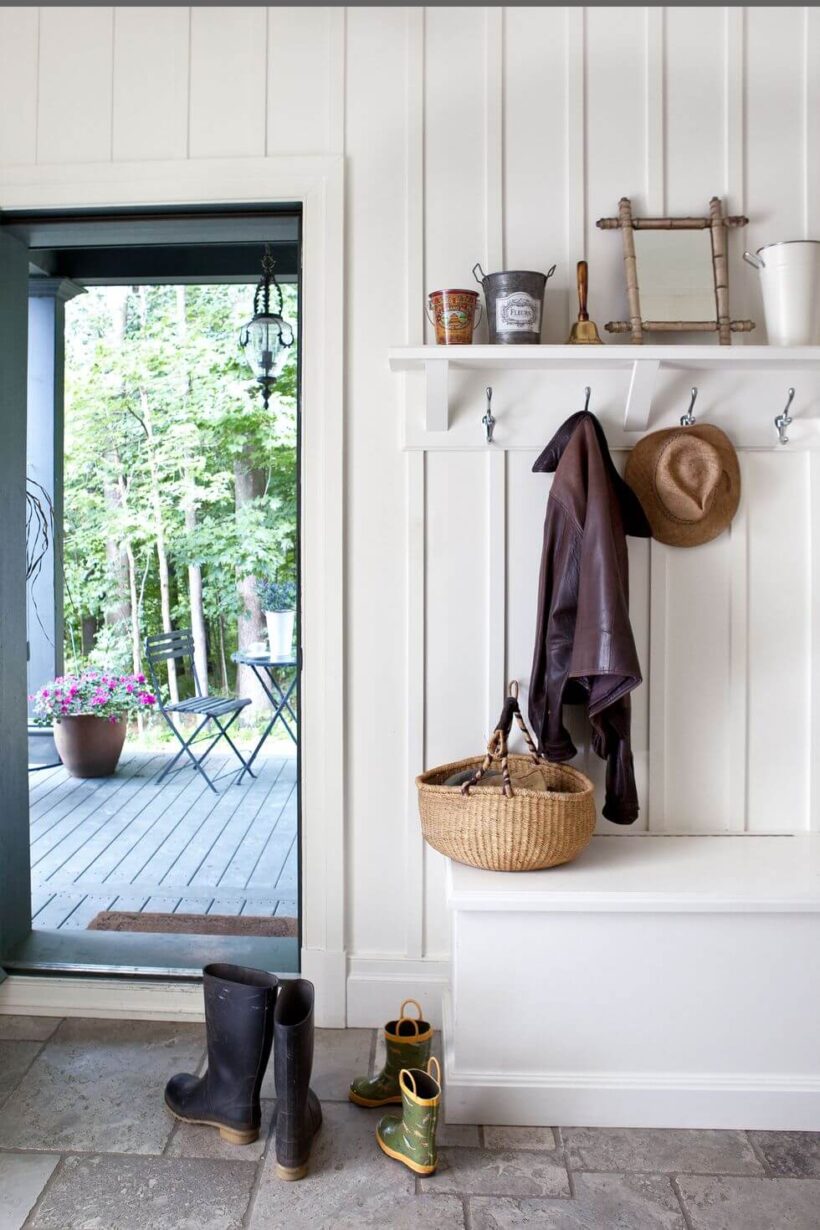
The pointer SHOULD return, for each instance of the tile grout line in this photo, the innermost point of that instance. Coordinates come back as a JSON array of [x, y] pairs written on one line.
[[564, 1151], [29, 1065], [43, 1192], [760, 1156], [673, 1182]]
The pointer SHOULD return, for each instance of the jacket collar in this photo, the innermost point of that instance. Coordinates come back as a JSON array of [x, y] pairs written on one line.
[[635, 522]]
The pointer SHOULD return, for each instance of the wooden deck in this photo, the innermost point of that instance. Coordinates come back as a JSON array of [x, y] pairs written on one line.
[[128, 843]]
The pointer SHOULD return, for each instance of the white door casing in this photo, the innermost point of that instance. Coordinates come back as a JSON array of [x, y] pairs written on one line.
[[317, 184]]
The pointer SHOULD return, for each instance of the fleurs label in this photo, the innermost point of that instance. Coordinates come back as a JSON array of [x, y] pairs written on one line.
[[517, 313]]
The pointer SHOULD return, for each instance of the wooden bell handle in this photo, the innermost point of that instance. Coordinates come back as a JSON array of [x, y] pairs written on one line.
[[583, 286]]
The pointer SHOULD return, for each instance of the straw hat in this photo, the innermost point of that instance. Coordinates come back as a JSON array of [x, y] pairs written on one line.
[[688, 482]]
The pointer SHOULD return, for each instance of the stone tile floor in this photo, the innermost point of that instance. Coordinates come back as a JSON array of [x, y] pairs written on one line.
[[86, 1144]]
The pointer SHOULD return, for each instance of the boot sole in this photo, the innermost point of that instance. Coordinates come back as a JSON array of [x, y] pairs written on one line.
[[233, 1136], [416, 1167], [291, 1173], [358, 1100]]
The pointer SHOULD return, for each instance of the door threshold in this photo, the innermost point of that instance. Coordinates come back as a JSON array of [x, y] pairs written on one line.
[[128, 955]]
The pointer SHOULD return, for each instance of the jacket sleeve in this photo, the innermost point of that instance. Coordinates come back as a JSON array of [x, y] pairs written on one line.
[[554, 631]]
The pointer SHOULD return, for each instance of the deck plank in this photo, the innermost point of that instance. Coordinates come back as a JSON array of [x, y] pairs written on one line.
[[117, 834], [263, 801], [129, 843]]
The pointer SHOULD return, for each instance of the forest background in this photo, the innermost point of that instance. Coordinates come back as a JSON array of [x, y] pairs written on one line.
[[179, 488]]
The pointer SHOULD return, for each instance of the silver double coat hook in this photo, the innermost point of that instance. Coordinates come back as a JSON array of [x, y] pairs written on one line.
[[489, 420], [783, 421]]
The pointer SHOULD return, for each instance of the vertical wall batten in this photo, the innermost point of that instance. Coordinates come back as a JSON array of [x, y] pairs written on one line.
[[658, 716], [414, 171], [576, 237], [813, 757], [496, 583], [811, 145], [494, 138], [737, 778], [415, 674], [337, 84], [734, 148], [415, 471], [655, 114]]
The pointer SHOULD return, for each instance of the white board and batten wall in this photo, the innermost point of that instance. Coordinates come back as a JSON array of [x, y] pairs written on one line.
[[499, 136]]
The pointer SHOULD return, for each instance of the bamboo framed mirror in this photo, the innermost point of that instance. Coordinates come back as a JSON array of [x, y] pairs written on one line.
[[677, 273]]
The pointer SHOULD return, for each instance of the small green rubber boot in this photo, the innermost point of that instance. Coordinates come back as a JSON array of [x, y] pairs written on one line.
[[408, 1042], [412, 1138]]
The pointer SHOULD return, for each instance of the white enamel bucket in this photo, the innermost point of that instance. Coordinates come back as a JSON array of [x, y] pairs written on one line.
[[790, 282]]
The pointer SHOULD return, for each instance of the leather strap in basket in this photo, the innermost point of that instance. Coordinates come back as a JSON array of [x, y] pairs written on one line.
[[497, 747]]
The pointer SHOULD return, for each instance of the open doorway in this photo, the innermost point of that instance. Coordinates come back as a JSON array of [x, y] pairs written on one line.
[[171, 510]]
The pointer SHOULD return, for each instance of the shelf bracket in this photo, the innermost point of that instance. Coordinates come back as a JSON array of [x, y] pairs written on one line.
[[436, 373], [641, 392]]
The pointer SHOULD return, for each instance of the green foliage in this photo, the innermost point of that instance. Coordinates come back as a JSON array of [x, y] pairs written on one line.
[[162, 415], [278, 596]]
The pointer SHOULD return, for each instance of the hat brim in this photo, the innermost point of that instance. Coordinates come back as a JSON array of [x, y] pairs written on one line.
[[640, 475]]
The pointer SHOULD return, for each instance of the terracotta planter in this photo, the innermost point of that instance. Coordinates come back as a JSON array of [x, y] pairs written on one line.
[[89, 746]]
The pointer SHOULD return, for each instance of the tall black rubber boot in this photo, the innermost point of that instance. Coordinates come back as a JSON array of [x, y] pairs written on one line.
[[239, 1011], [298, 1112]]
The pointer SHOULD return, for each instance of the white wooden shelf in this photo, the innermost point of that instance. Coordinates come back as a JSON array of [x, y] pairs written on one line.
[[644, 363]]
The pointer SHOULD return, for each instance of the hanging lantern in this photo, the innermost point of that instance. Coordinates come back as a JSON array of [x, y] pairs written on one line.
[[267, 336]]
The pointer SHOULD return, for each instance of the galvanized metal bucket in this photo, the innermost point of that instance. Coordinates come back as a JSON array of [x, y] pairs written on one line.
[[515, 304]]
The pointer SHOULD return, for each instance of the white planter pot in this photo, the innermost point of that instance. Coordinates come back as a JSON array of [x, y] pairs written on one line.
[[280, 633], [790, 283]]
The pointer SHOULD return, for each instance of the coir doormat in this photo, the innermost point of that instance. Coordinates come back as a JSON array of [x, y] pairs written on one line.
[[194, 924]]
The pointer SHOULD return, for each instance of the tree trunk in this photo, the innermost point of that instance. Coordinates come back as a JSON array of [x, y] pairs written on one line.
[[117, 608], [195, 592], [89, 633], [223, 661], [159, 535], [134, 602], [197, 611], [249, 484]]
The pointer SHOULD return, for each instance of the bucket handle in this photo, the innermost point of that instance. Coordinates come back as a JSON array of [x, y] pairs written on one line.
[[751, 258], [480, 280]]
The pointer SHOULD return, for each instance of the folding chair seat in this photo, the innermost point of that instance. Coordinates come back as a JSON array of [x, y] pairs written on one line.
[[217, 705], [178, 645]]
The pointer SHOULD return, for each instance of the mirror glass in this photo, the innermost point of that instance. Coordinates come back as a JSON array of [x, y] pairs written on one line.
[[675, 275]]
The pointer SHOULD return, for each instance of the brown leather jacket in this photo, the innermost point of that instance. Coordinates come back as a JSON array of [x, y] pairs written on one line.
[[584, 649]]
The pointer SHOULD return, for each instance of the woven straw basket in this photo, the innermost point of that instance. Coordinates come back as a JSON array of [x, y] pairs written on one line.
[[507, 827]]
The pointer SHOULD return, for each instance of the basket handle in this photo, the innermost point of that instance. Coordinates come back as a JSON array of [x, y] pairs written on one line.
[[497, 746]]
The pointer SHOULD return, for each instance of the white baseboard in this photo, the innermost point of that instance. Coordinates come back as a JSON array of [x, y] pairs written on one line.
[[373, 988], [129, 998], [763, 1101], [377, 985]]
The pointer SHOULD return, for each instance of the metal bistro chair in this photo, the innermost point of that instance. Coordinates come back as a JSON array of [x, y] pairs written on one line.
[[179, 645]]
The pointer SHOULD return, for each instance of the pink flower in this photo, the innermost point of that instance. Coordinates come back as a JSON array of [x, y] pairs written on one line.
[[140, 679]]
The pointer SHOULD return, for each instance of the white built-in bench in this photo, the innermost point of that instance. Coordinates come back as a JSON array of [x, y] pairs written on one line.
[[658, 981]]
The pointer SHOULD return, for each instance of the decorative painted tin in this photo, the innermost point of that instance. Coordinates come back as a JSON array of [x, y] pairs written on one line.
[[455, 314]]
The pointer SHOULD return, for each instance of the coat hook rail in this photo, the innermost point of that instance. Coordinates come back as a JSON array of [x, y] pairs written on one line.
[[784, 420]]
